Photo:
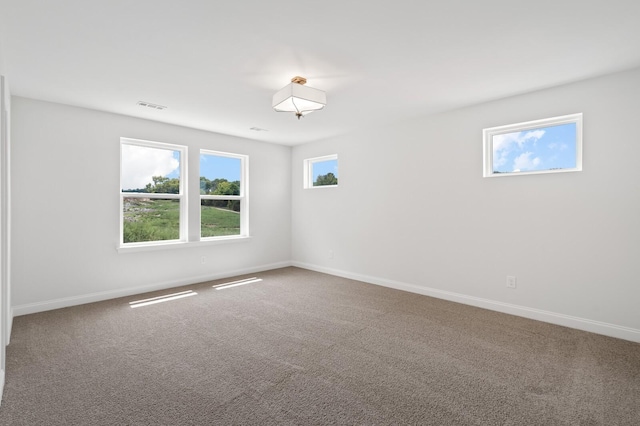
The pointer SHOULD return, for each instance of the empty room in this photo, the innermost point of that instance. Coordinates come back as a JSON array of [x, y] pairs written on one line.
[[372, 213]]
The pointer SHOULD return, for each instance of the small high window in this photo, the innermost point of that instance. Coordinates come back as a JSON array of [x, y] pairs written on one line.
[[321, 171], [542, 146]]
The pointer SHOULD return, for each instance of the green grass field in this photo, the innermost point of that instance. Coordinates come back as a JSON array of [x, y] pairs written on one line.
[[159, 219], [216, 222]]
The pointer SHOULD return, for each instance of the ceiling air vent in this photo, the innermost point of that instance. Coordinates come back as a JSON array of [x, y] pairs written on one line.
[[150, 105]]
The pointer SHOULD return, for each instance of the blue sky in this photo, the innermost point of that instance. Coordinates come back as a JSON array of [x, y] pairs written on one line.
[[324, 167], [141, 163], [218, 167], [543, 148], [175, 173]]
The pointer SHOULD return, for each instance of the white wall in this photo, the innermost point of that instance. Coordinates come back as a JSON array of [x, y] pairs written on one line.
[[413, 211], [5, 221], [65, 182]]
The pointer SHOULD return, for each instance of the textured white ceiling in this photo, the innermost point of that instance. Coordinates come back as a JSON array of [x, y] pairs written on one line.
[[216, 64]]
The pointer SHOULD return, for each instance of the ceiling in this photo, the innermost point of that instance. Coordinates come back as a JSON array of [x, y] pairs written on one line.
[[216, 64]]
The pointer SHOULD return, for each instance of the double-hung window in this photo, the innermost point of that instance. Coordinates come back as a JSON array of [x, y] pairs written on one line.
[[153, 200], [223, 195]]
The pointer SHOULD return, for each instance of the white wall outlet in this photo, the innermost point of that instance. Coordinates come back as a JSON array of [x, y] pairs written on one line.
[[511, 282], [203, 260], [330, 254]]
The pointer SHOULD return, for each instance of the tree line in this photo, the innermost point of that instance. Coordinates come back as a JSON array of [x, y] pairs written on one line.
[[328, 179], [165, 185]]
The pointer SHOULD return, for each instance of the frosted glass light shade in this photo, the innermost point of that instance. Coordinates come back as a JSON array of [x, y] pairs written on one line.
[[299, 99]]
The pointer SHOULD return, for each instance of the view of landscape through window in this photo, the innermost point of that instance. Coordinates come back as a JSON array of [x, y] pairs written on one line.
[[543, 148], [324, 172], [148, 175], [220, 191], [152, 194]]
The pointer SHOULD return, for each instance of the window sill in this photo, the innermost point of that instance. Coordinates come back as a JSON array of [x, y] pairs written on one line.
[[180, 244], [320, 186], [534, 172]]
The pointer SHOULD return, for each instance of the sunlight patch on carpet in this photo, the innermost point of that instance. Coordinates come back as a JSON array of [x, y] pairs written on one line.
[[160, 299], [237, 283]]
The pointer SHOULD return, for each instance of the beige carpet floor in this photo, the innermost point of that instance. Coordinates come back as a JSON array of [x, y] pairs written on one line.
[[304, 348]]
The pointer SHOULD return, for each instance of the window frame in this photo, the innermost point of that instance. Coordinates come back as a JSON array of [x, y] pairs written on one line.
[[308, 171], [489, 133], [243, 197], [182, 195]]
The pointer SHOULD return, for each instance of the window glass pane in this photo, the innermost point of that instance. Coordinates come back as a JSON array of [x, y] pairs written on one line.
[[146, 169], [219, 175], [324, 172], [146, 219], [543, 148], [219, 218]]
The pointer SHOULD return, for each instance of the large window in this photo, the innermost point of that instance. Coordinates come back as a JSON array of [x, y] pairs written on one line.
[[152, 192], [154, 206], [223, 195], [542, 146], [321, 171]]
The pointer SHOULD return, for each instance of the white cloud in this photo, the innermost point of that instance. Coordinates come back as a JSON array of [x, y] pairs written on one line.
[[507, 142], [500, 158], [502, 142], [555, 145], [530, 136], [525, 162], [140, 163]]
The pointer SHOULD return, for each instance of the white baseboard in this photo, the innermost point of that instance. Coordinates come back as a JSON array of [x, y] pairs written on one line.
[[1, 385], [607, 329], [584, 324], [32, 308], [9, 326]]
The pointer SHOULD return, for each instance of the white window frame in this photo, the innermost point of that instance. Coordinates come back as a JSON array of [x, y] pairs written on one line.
[[489, 133], [308, 171], [243, 197], [182, 195]]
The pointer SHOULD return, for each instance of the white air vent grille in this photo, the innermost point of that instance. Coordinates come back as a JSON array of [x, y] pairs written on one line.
[[150, 105]]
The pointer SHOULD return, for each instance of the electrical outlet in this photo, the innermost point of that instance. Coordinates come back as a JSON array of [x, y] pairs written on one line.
[[203, 260], [330, 254], [511, 282]]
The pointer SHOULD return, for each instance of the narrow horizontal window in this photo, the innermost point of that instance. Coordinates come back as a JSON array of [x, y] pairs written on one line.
[[542, 146]]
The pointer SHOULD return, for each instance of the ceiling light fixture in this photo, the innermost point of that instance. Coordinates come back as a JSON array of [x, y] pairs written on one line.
[[299, 99]]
